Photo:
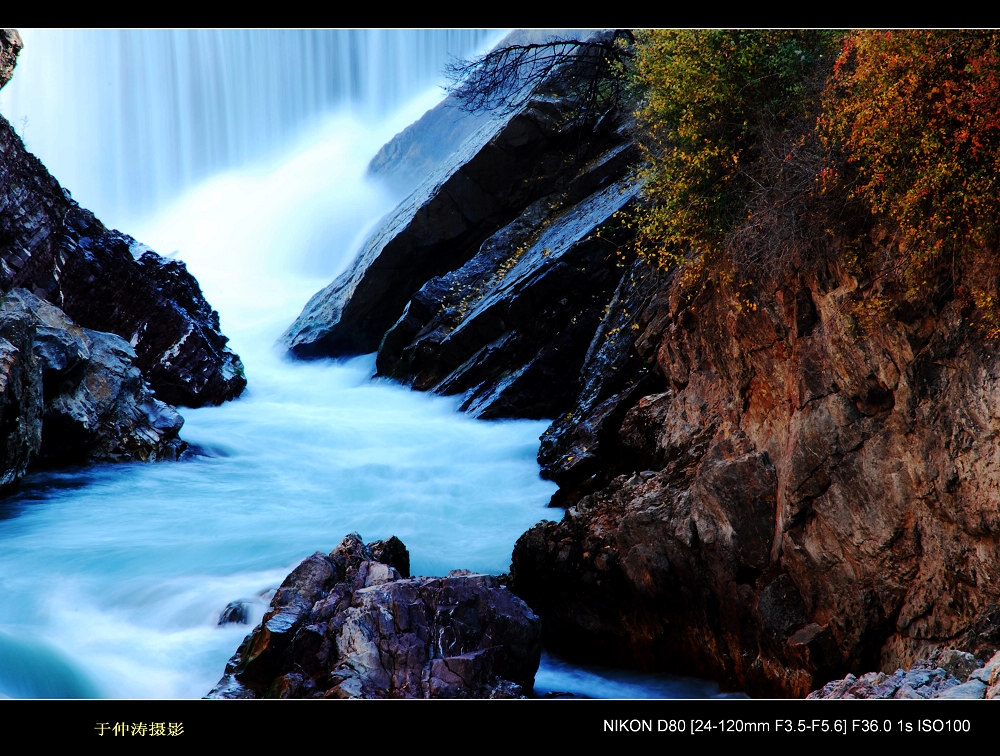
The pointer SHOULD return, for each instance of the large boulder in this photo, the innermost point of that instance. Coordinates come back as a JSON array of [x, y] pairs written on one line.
[[106, 281], [354, 625], [491, 278], [71, 395]]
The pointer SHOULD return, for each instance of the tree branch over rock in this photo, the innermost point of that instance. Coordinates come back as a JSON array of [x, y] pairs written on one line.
[[589, 69]]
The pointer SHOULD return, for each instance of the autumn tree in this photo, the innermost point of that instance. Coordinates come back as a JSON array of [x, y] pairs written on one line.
[[917, 113], [723, 112]]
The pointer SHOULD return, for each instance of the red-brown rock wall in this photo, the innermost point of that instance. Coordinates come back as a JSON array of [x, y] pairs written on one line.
[[812, 493]]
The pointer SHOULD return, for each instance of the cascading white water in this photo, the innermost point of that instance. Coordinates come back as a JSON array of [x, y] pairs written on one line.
[[128, 118], [112, 578]]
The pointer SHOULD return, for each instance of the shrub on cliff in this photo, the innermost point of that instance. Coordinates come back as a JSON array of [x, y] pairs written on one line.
[[762, 142], [918, 116], [722, 116]]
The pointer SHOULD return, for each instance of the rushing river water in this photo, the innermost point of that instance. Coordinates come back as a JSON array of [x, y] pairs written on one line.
[[112, 578]]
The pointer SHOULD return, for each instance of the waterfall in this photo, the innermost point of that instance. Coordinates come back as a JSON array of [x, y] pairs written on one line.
[[243, 153], [128, 118]]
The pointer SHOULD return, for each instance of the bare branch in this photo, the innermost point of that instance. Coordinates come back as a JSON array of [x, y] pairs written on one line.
[[507, 76]]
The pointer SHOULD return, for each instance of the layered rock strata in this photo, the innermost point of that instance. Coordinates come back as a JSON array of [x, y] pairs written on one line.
[[353, 624], [106, 281], [70, 395]]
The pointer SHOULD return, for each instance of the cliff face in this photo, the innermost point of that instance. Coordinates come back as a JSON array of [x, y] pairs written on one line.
[[772, 496], [802, 497]]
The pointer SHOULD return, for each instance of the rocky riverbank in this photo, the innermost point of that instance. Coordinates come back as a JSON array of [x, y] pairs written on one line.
[[765, 492], [946, 674]]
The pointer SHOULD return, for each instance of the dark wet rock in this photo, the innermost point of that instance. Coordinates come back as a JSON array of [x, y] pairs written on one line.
[[348, 625], [580, 449], [492, 278], [236, 612], [438, 229], [106, 281], [510, 328], [72, 395]]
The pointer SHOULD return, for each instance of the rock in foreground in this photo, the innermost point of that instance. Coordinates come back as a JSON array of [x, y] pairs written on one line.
[[354, 625]]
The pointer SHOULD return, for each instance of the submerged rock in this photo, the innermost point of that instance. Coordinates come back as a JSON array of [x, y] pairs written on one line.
[[236, 612], [353, 625]]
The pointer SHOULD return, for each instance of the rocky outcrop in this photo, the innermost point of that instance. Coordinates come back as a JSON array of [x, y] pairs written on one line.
[[70, 395], [427, 147], [355, 625], [800, 496], [10, 47], [490, 280], [946, 674], [104, 280]]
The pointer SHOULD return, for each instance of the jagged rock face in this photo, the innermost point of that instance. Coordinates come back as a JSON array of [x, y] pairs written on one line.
[[354, 625], [10, 46], [104, 280], [73, 395], [510, 328], [799, 498], [580, 449], [491, 281], [439, 228]]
